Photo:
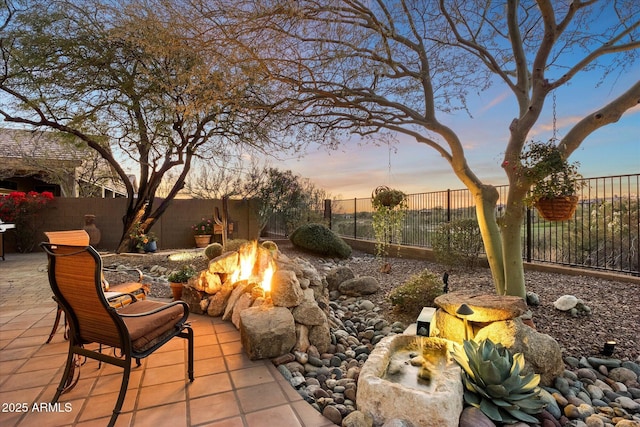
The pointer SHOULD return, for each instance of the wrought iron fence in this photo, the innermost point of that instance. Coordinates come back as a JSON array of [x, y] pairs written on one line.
[[603, 234]]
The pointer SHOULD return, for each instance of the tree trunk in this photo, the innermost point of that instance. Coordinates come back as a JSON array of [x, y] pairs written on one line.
[[512, 249], [486, 198]]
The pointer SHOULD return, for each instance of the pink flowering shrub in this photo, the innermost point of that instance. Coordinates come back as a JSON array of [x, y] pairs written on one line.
[[23, 209], [205, 226]]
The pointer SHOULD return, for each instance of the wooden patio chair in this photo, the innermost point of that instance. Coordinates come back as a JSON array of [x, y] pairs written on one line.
[[114, 292], [135, 330]]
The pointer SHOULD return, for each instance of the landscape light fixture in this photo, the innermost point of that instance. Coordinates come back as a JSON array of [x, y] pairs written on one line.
[[609, 346], [464, 311]]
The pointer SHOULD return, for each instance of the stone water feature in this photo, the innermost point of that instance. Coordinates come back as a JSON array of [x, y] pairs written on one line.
[[411, 378]]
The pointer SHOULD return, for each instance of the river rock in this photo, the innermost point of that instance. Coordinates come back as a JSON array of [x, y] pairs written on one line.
[[566, 302], [623, 375], [474, 417]]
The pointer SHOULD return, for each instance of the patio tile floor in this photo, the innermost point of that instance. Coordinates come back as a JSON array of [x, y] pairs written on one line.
[[229, 389]]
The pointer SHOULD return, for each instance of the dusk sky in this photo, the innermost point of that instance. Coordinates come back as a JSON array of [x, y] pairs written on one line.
[[355, 169]]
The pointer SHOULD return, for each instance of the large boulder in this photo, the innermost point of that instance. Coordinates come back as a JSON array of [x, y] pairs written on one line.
[[267, 332], [338, 275], [542, 354], [358, 286]]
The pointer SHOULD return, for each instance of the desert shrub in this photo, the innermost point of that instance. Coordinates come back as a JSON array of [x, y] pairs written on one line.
[[234, 244], [458, 243], [213, 250], [319, 239], [417, 292]]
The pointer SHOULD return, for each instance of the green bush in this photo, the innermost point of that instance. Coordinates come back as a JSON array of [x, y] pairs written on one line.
[[417, 292], [234, 244], [213, 250], [319, 239], [183, 274], [458, 243]]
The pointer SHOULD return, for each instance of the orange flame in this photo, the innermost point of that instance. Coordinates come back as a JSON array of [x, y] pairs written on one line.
[[267, 274], [249, 258]]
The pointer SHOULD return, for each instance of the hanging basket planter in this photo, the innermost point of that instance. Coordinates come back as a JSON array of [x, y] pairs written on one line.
[[559, 208], [385, 196]]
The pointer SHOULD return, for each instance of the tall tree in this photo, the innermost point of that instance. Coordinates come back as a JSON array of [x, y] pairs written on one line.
[[401, 66], [162, 88]]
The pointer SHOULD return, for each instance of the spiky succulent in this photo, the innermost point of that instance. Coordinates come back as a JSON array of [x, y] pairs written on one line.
[[493, 382]]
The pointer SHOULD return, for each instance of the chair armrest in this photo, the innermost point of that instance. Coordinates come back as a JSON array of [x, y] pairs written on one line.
[[116, 295], [184, 305]]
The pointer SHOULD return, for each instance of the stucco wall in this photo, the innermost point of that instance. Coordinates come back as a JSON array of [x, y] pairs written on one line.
[[173, 229]]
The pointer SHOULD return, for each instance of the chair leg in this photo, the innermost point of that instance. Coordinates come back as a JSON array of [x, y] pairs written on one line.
[[190, 353], [123, 391], [66, 376], [55, 325]]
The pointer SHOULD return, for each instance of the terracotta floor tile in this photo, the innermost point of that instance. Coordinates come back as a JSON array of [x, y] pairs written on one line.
[[229, 422], [174, 415], [241, 361], [19, 381], [251, 376], [231, 348], [209, 366], [214, 407], [207, 351], [229, 336], [210, 384], [260, 396], [279, 416], [162, 394]]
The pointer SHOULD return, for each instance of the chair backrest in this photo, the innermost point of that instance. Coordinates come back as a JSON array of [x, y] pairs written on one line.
[[69, 237], [74, 276]]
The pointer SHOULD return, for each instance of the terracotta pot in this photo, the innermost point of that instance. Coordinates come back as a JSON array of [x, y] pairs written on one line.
[[176, 290], [91, 229], [559, 208], [202, 240]]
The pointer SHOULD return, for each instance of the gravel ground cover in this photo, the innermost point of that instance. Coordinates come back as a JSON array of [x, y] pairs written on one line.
[[615, 305]]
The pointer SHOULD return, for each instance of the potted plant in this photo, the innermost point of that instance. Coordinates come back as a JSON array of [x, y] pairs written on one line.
[[202, 232], [388, 219], [178, 278], [555, 181], [143, 242]]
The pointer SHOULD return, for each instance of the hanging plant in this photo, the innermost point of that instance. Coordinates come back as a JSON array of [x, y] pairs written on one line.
[[388, 219], [556, 181]]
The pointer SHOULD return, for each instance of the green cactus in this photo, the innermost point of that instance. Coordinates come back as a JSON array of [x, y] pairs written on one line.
[[213, 250], [493, 382]]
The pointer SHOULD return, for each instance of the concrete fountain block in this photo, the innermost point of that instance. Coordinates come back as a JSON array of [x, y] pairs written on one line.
[[438, 404]]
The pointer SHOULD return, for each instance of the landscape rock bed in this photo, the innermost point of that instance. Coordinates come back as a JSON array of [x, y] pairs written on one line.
[[328, 380]]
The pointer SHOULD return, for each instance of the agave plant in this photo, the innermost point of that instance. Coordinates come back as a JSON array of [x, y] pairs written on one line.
[[493, 382]]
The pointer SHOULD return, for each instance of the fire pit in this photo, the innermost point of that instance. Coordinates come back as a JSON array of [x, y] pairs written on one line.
[[411, 378], [274, 301]]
